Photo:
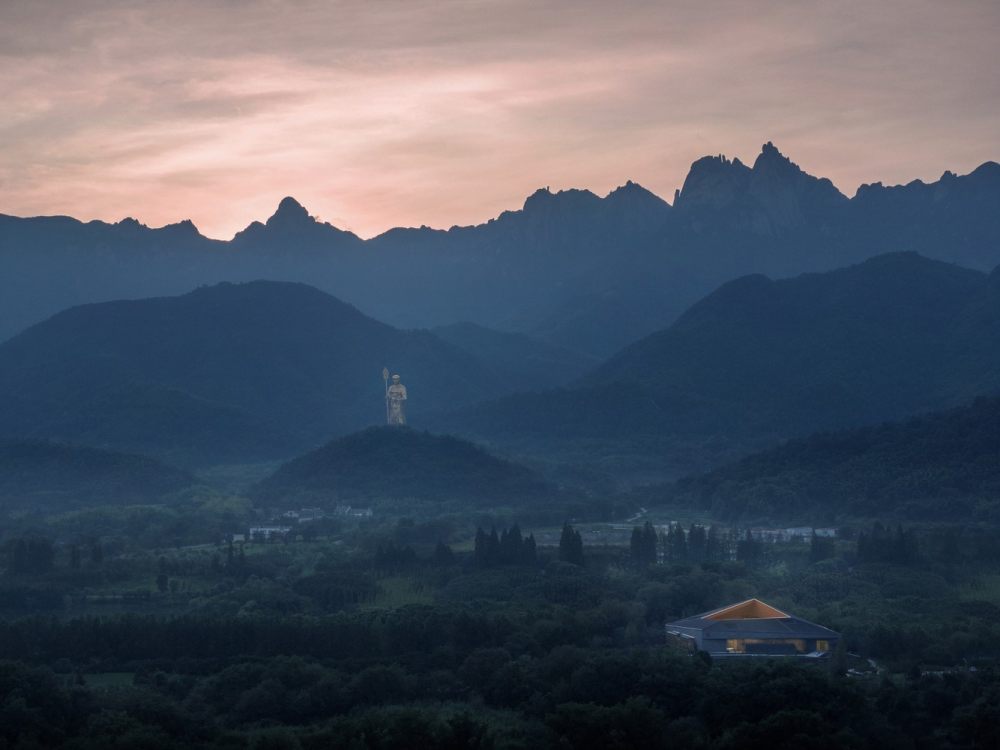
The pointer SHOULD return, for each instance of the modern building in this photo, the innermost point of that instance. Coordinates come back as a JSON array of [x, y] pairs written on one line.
[[752, 628]]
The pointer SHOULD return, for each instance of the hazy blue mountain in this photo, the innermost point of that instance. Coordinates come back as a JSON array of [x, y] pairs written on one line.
[[578, 270], [758, 360], [51, 477], [943, 466], [423, 467], [224, 373], [523, 362]]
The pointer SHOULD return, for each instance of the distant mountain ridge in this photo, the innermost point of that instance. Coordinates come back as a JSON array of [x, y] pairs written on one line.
[[760, 360], [228, 373], [571, 267]]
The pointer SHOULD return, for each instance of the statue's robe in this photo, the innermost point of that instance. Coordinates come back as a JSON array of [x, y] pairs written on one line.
[[397, 411]]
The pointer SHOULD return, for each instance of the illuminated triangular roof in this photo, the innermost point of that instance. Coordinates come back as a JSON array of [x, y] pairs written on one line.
[[751, 609]]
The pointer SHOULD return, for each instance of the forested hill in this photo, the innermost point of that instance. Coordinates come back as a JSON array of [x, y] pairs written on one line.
[[229, 373], [944, 466], [402, 463], [759, 360], [51, 477]]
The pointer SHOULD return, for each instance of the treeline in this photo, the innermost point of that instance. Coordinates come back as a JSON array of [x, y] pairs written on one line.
[[696, 544], [509, 547], [509, 696]]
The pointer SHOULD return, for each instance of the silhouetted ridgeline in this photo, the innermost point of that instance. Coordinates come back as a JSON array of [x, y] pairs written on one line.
[[579, 270]]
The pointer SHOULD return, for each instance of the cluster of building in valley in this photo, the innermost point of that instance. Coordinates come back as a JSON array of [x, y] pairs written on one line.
[[283, 525]]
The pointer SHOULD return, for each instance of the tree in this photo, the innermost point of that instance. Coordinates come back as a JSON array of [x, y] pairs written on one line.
[[644, 545], [676, 543], [713, 545], [487, 549], [635, 545], [529, 551], [510, 545], [820, 548], [571, 545], [29, 555], [748, 550], [697, 542]]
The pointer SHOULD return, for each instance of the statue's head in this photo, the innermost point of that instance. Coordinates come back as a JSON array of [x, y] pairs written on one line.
[[395, 379]]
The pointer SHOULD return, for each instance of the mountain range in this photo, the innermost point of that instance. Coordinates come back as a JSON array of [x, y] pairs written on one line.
[[581, 271], [759, 360], [240, 372]]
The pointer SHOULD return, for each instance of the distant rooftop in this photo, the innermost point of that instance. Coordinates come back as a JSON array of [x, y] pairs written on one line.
[[751, 609]]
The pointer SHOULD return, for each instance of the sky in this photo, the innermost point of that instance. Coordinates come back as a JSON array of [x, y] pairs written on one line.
[[379, 113]]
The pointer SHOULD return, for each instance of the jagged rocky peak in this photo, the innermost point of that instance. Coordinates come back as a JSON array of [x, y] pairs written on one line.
[[770, 156], [633, 191], [544, 200], [289, 212], [775, 170], [185, 226], [712, 181], [632, 201]]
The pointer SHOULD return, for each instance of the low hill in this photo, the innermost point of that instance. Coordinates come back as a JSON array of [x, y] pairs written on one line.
[[399, 463], [760, 360], [224, 373], [53, 477], [943, 466]]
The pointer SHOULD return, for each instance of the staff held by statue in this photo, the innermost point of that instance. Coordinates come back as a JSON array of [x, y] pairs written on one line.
[[385, 378]]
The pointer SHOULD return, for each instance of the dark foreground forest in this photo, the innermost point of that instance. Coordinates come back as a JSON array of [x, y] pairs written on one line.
[[377, 634]]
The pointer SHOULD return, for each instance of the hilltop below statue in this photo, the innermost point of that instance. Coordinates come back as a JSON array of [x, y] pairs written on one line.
[[395, 395]]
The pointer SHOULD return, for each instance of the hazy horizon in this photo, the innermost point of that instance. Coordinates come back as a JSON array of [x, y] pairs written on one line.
[[441, 114]]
